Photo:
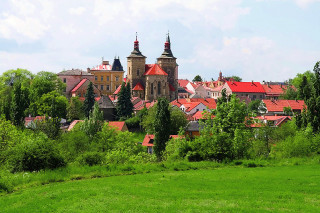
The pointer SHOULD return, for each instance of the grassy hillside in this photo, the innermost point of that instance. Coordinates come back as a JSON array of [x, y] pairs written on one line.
[[279, 188]]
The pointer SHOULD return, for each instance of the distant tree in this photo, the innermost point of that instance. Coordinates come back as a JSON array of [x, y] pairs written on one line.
[[121, 103], [236, 78], [304, 89], [256, 107], [290, 93], [95, 122], [129, 105], [197, 78], [89, 100], [75, 109], [53, 104], [162, 122], [19, 104]]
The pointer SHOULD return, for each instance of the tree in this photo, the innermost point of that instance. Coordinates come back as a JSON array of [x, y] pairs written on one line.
[[256, 107], [19, 104], [53, 104], [75, 109], [197, 78], [124, 104], [162, 122], [95, 122], [89, 100], [236, 78]]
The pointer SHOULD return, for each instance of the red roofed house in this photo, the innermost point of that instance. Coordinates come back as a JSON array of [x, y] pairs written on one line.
[[274, 91], [149, 139], [118, 125], [81, 88], [275, 107], [273, 121], [252, 90], [150, 81], [72, 77]]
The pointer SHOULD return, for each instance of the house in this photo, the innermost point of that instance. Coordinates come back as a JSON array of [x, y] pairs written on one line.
[[252, 90], [272, 121], [81, 89], [118, 125], [107, 107], [107, 77], [276, 107], [148, 141], [210, 103], [193, 129], [201, 115], [274, 91], [72, 78]]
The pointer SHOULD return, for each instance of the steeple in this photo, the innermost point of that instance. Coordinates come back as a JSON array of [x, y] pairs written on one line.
[[167, 49], [136, 52]]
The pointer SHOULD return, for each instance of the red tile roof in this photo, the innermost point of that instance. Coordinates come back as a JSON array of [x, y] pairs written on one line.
[[208, 102], [117, 90], [183, 82], [79, 85], [274, 90], [191, 105], [154, 69], [73, 123], [118, 125], [200, 115], [102, 67], [138, 87], [278, 105], [249, 87]]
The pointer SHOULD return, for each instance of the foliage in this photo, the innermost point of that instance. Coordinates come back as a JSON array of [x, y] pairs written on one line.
[[34, 154], [95, 122], [53, 104], [19, 104], [89, 100], [257, 107], [162, 121], [124, 104], [91, 158], [8, 136], [197, 78], [75, 109], [290, 93], [49, 126], [236, 78]]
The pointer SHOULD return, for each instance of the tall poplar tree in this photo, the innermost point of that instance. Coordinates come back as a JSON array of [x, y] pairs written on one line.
[[89, 100], [129, 105], [18, 105], [161, 126], [121, 103]]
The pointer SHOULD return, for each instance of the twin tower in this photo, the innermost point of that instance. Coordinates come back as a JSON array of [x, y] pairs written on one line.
[[151, 81]]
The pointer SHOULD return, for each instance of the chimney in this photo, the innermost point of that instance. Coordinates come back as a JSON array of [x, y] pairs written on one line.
[[88, 69], [105, 62]]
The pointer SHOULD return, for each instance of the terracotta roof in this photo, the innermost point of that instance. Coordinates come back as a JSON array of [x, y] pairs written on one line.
[[276, 119], [117, 90], [208, 102], [102, 67], [217, 89], [274, 90], [79, 85], [155, 69], [73, 123], [190, 106], [189, 91], [171, 88], [183, 82], [278, 105], [249, 87], [83, 98], [138, 87], [118, 125]]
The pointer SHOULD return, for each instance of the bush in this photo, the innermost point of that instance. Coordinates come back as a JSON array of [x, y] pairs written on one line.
[[34, 154], [133, 122], [91, 158]]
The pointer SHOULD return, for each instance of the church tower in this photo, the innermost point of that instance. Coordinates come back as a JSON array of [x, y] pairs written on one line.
[[168, 63], [136, 66]]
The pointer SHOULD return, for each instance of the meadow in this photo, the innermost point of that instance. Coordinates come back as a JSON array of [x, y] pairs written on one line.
[[291, 186]]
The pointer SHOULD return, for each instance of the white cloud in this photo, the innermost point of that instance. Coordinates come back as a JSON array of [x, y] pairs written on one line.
[[77, 10], [305, 3]]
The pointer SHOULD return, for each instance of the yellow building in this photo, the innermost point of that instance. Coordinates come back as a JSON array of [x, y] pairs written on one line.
[[107, 78]]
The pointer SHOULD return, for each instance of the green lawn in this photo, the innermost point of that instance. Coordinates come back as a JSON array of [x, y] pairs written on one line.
[[235, 189]]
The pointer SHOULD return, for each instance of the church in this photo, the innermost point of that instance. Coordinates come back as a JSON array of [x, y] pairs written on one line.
[[151, 81]]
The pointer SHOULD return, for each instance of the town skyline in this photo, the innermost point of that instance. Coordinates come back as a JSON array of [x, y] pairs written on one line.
[[256, 40]]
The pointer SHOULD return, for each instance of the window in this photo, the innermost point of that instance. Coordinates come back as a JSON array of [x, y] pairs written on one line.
[[159, 88], [261, 97], [254, 97], [101, 86], [117, 78], [96, 78], [129, 70], [138, 72], [101, 78], [151, 89], [64, 80], [108, 87], [107, 78]]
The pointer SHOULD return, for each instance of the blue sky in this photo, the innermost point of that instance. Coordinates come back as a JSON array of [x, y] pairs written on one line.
[[270, 40]]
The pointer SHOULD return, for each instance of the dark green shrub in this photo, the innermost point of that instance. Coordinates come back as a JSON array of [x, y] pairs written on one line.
[[34, 154], [91, 158], [193, 156], [133, 122]]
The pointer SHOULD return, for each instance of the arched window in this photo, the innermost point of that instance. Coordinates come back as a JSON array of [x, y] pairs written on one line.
[[159, 88], [151, 91]]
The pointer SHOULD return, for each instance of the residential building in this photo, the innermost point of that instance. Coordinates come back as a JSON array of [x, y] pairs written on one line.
[[81, 89], [252, 90], [276, 107], [73, 77], [107, 78]]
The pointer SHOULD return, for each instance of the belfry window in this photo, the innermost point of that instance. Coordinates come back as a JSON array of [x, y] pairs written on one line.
[[159, 88], [138, 72], [151, 91]]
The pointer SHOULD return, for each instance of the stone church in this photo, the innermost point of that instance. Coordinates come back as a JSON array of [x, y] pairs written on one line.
[[151, 81]]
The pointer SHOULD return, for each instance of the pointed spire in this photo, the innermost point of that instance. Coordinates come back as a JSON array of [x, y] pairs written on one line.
[[167, 48], [136, 52]]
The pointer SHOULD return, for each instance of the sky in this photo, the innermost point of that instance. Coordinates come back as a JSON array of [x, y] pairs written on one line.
[[258, 40]]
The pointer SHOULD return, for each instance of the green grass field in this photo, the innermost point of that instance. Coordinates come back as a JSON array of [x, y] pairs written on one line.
[[235, 189]]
